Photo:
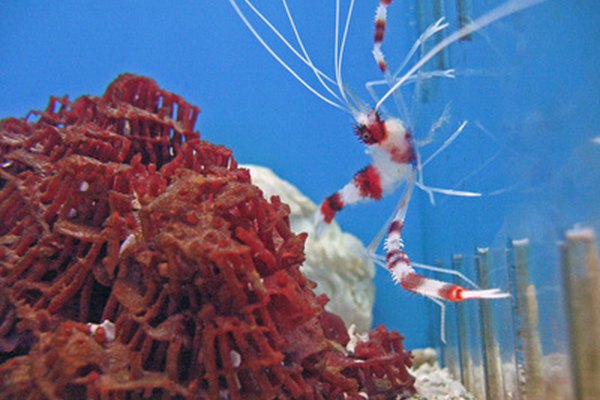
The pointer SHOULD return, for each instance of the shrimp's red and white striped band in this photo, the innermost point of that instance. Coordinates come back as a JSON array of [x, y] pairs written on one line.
[[406, 277], [380, 22], [365, 184]]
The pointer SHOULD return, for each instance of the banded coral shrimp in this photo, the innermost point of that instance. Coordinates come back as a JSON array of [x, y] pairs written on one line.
[[395, 159]]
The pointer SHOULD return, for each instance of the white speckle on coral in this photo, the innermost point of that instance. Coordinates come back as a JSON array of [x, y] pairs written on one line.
[[7, 164], [135, 203], [72, 213], [108, 326], [129, 241], [84, 186], [236, 358], [355, 338]]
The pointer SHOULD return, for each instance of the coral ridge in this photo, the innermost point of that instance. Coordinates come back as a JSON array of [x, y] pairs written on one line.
[[114, 209]]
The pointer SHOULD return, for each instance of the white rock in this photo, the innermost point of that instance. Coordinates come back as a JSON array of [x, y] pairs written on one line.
[[435, 383], [337, 261]]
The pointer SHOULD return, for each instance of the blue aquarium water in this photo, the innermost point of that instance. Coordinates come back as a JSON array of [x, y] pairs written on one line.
[[528, 85]]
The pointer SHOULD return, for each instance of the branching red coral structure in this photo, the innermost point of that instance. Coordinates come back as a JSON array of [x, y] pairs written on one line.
[[112, 208]]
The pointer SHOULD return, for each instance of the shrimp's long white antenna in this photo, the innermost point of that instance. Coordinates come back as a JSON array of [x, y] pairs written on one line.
[[339, 50], [336, 39], [500, 12], [452, 192], [306, 59], [280, 61], [429, 189], [268, 23], [319, 75]]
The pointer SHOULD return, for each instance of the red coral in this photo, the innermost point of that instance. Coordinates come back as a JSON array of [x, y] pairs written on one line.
[[112, 208]]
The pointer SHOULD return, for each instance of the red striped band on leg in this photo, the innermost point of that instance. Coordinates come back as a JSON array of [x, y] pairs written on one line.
[[395, 227], [412, 282], [368, 182], [396, 256], [330, 206], [379, 30]]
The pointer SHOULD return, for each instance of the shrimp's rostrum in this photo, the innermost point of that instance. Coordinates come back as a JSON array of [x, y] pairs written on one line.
[[395, 160]]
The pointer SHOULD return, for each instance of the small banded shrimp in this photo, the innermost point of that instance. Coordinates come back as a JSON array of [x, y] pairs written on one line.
[[395, 159]]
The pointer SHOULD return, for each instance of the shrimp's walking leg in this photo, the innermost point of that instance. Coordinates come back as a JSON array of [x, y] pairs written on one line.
[[366, 184], [403, 273]]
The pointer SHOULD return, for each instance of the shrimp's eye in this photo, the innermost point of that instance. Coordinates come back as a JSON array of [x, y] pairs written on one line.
[[364, 134]]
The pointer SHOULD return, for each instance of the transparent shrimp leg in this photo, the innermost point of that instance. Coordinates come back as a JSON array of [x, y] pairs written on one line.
[[442, 318], [439, 122], [431, 30], [430, 190], [418, 77], [380, 27], [502, 11]]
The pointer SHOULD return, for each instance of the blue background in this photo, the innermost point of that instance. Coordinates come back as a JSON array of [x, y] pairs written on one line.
[[528, 85]]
